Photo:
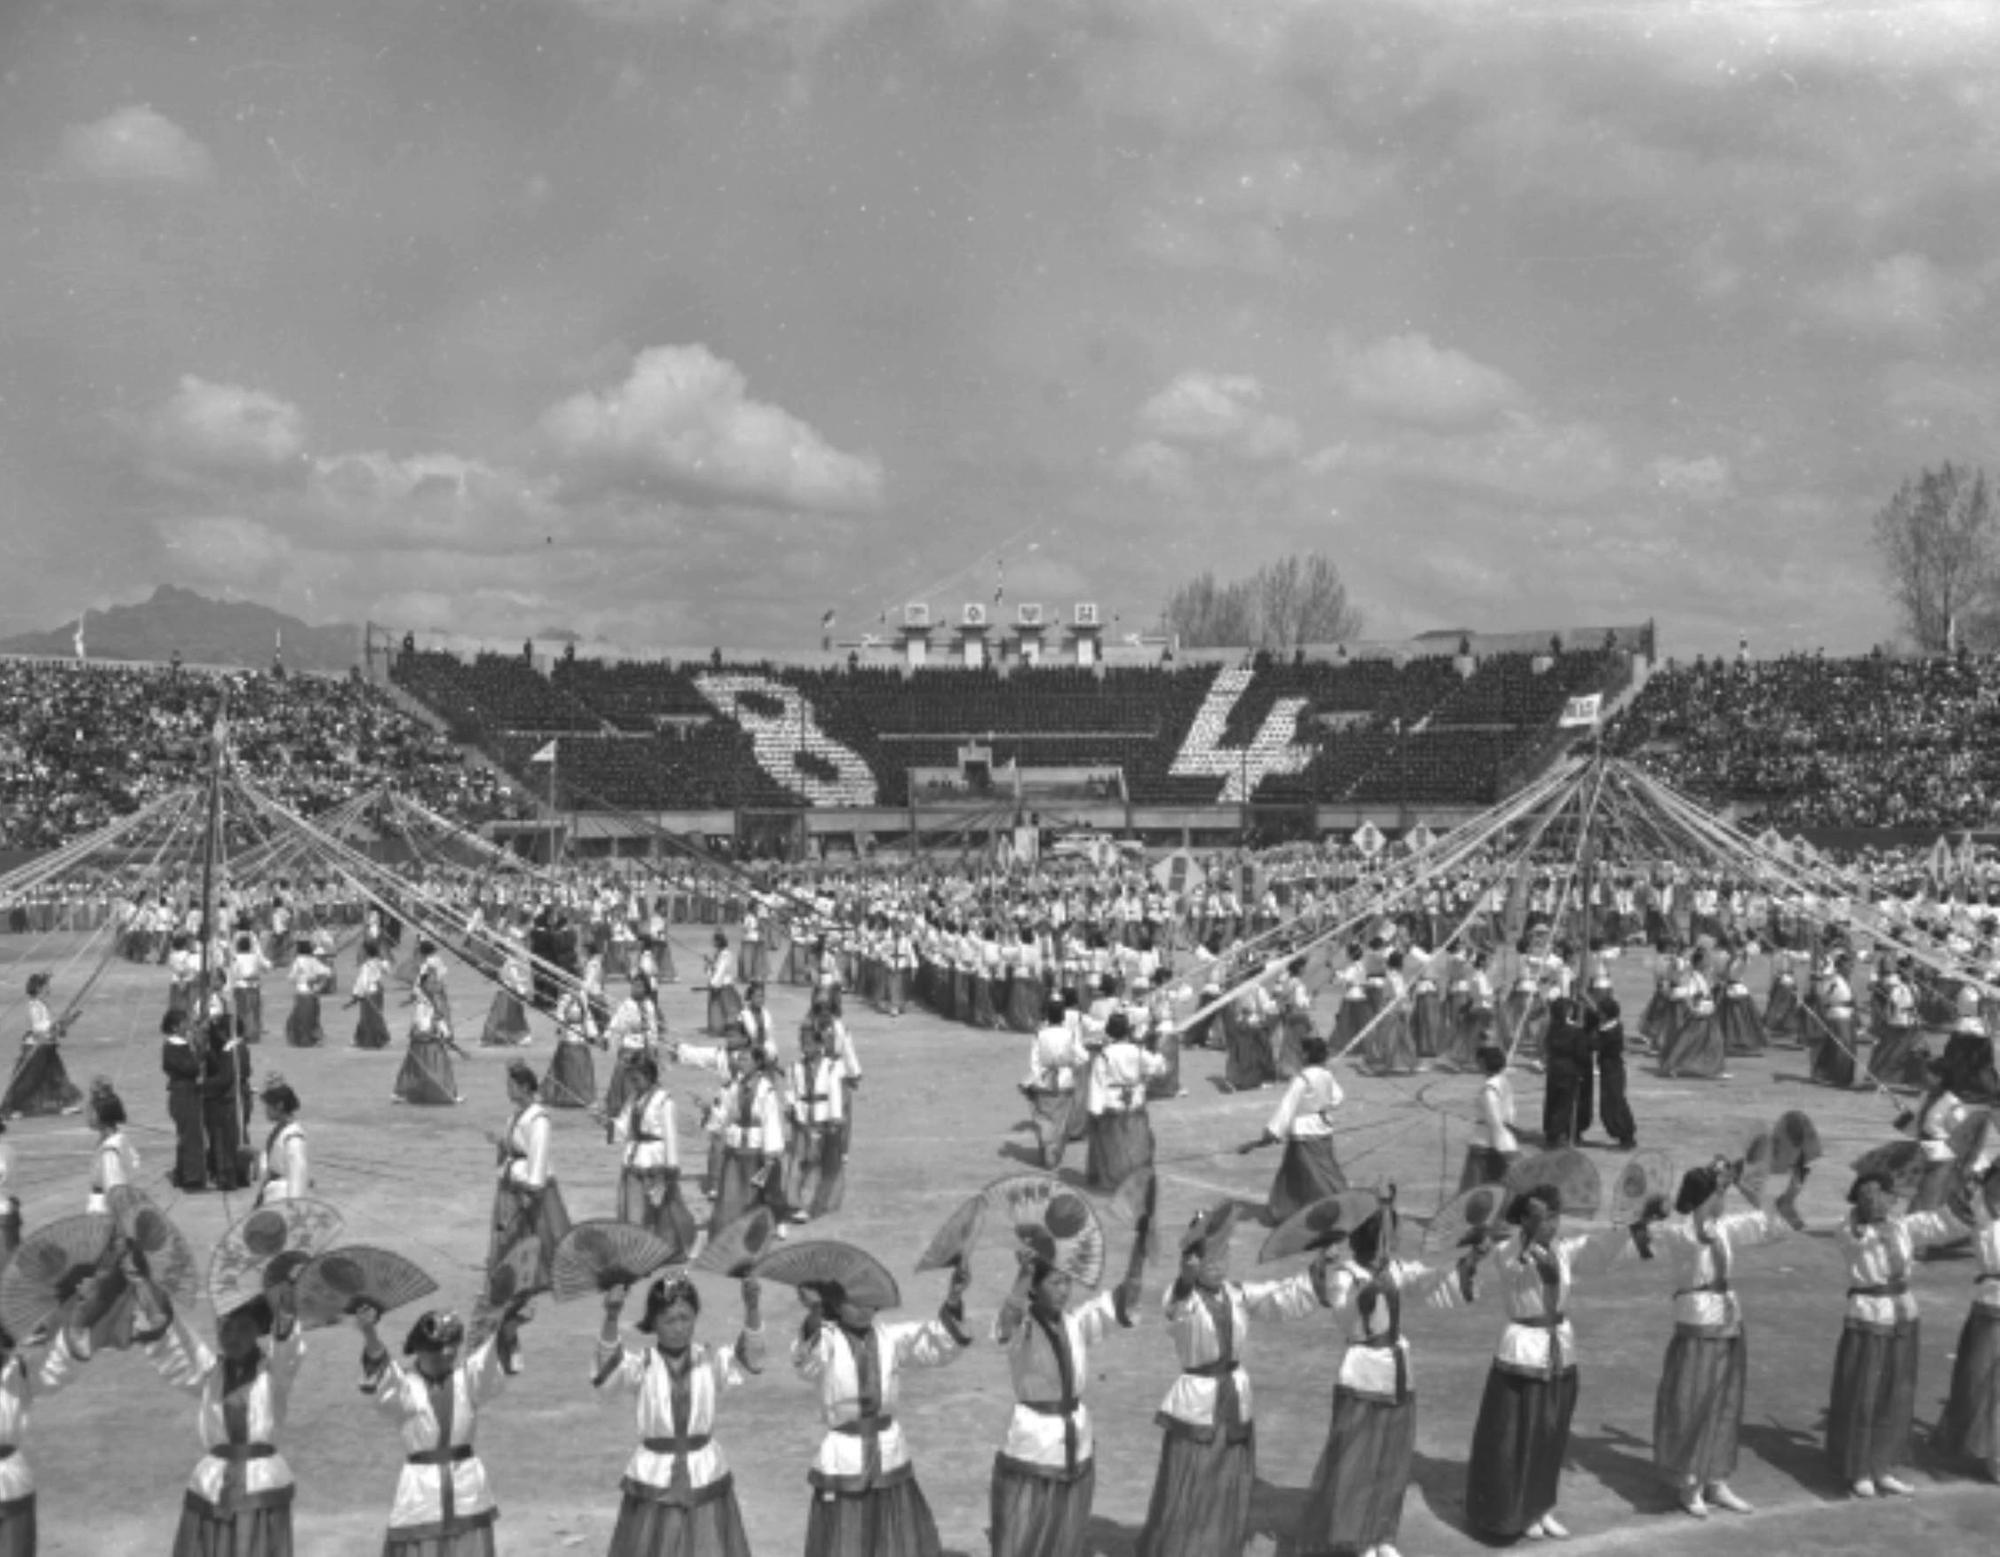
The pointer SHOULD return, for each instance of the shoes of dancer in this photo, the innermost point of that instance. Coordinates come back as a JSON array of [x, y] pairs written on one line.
[[1547, 1529], [1864, 1489], [1720, 1495], [1693, 1505], [1895, 1486]]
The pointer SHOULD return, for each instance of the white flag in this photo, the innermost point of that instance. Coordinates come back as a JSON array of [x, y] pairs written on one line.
[[1581, 711], [78, 639], [546, 754]]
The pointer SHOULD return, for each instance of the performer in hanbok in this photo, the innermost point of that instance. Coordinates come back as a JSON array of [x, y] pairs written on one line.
[[1494, 1146], [1295, 1023], [1968, 1051], [1898, 1058], [443, 1507], [181, 1063], [1389, 1049], [1939, 1113], [1522, 1435], [239, 1497], [1303, 1123], [1784, 1016], [527, 1202], [430, 986], [649, 1169], [1119, 1131], [1355, 1503], [26, 1381], [1246, 1030], [723, 1000], [1693, 1045], [1833, 1042], [1473, 1024], [628, 1036], [183, 974], [507, 1018], [1736, 1013], [1045, 1475], [1356, 1006], [865, 1493], [1668, 972], [571, 1081], [1055, 1058], [679, 1494], [751, 1171], [427, 1077], [310, 978], [1698, 1410], [247, 967], [41, 1084], [1429, 1030], [816, 1165], [284, 1167], [1875, 1369], [371, 1028], [1968, 1430], [1200, 1505]]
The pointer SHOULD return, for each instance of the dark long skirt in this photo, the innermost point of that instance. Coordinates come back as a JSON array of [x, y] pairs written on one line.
[[1356, 1499], [1428, 1031], [1349, 1023], [743, 1182], [1470, 1032], [1833, 1050], [1201, 1497], [17, 1527], [249, 1012], [891, 1521], [262, 1530], [506, 1022], [1168, 1083], [1484, 1165], [1025, 1002], [653, 1201], [1247, 1062], [1699, 1409], [1899, 1058], [982, 1012], [302, 1025], [1693, 1048], [518, 1218], [1059, 1118], [723, 1007], [1518, 1449], [1118, 1144], [473, 1540], [1969, 1429], [816, 1169], [1742, 1028], [1309, 1172], [1657, 1017], [754, 964], [1388, 1047], [1784, 1017], [572, 1078], [1041, 1516], [1294, 1028], [623, 1086], [190, 1140], [41, 1085], [371, 1031], [427, 1076], [712, 1527], [1874, 1402]]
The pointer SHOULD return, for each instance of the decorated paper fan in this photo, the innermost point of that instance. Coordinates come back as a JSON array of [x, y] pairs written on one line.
[[169, 1260], [1901, 1161], [1754, 1172], [1322, 1223], [270, 1245], [334, 1284], [516, 1275], [1794, 1142], [46, 1270], [1477, 1210], [1644, 1175], [860, 1275], [594, 1257], [1039, 1210], [1572, 1174], [736, 1250], [957, 1237]]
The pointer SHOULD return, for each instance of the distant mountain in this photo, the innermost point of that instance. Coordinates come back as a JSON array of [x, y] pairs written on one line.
[[205, 631]]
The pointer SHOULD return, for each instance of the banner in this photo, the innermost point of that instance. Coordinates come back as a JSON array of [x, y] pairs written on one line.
[[1368, 839], [1581, 711], [546, 754]]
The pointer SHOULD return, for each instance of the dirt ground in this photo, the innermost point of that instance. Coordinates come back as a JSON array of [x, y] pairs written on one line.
[[938, 1117]]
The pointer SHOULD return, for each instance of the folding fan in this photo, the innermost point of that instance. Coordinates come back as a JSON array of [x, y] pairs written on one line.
[[270, 1245], [736, 1249], [1644, 1175], [594, 1257], [332, 1285], [859, 1274], [1041, 1211], [1794, 1142], [1322, 1223], [518, 1273], [1475, 1211], [1901, 1161], [166, 1255], [47, 1269], [1572, 1174]]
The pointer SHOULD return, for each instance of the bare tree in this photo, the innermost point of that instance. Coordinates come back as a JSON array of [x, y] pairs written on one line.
[[1296, 601], [1939, 541]]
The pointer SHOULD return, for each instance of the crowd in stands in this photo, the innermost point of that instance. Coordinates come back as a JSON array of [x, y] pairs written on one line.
[[1809, 741], [82, 744]]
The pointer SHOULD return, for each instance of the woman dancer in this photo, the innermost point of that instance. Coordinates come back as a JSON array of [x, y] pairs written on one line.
[[817, 1156], [23, 1381], [443, 1507], [1736, 1013], [41, 1084], [527, 1204], [1693, 1045], [427, 1077], [371, 1028], [571, 1081], [1494, 1146], [1968, 1431], [723, 1000], [507, 1018], [649, 1172], [1784, 1016], [1834, 1041], [680, 1497], [284, 1168], [1119, 1136], [247, 967], [310, 978], [1303, 1122]]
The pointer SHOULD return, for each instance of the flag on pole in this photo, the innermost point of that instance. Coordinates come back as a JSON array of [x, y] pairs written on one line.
[[1581, 711], [546, 754], [1000, 579], [78, 640]]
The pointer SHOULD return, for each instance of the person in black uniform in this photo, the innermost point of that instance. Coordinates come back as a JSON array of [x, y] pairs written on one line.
[[225, 1102], [1564, 1052], [1608, 1041], [182, 1063]]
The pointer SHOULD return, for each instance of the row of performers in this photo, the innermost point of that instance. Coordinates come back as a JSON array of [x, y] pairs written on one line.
[[679, 1497]]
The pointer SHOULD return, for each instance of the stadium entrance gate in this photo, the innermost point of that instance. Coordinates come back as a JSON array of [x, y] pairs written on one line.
[[771, 835]]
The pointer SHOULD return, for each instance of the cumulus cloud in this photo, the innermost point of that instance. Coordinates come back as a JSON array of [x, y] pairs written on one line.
[[1220, 412], [1903, 296], [136, 144], [1160, 466], [683, 421], [227, 427], [1407, 378], [228, 549], [1706, 479]]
